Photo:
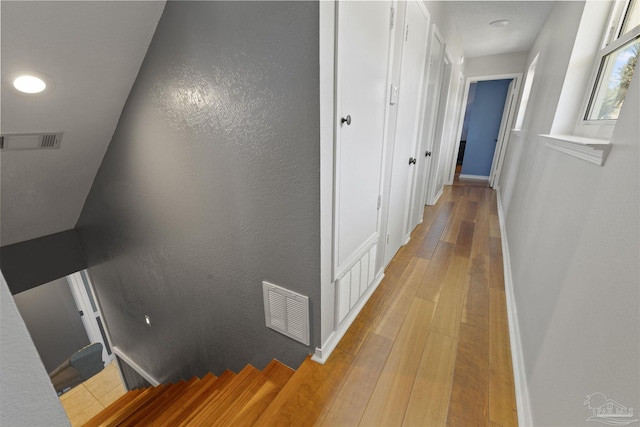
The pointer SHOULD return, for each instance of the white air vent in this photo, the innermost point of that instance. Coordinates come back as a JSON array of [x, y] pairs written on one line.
[[30, 141], [286, 312]]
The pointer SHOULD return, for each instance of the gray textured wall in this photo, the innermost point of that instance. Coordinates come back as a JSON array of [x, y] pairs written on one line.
[[56, 255], [27, 397], [209, 186], [53, 321]]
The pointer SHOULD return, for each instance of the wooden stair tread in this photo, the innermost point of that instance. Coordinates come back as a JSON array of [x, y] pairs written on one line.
[[121, 402], [249, 390], [213, 407], [157, 406], [304, 397], [180, 399], [256, 406], [278, 373], [158, 395], [142, 399], [189, 403], [238, 400]]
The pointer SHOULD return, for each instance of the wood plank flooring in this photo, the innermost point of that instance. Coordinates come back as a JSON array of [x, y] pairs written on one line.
[[431, 347]]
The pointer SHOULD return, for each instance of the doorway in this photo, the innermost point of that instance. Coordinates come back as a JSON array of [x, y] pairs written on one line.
[[481, 127], [89, 310], [484, 131]]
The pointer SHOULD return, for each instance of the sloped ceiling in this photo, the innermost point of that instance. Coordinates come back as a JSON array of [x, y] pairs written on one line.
[[472, 19], [92, 51]]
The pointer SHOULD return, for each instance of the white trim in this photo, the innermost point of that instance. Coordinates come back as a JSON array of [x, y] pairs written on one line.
[[517, 358], [133, 365], [327, 117], [356, 256], [460, 111], [437, 197], [89, 317], [506, 122], [475, 177], [322, 354], [588, 149]]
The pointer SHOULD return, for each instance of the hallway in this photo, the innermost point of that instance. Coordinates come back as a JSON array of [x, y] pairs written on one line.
[[431, 347]]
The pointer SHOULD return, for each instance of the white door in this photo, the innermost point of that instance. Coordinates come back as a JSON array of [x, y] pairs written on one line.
[[90, 314], [503, 135], [425, 147], [436, 182], [414, 52], [363, 31]]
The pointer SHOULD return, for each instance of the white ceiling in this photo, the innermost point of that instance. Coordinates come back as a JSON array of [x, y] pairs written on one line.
[[472, 20], [92, 50]]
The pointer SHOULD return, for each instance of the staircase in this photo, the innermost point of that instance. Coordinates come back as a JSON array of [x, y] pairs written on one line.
[[244, 399]]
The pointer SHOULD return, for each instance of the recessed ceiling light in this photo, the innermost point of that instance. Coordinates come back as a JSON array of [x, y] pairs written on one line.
[[500, 23], [29, 84]]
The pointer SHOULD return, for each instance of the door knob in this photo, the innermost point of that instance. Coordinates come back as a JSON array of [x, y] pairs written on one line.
[[412, 161], [346, 120], [427, 154]]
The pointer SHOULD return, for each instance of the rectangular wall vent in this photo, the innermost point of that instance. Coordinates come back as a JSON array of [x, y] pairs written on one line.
[[30, 141], [286, 312]]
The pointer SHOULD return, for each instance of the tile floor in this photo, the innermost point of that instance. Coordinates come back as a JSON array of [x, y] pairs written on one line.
[[89, 398]]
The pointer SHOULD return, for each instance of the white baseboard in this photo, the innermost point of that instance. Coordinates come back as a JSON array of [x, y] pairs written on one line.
[[144, 374], [519, 374], [476, 177], [437, 197], [322, 354]]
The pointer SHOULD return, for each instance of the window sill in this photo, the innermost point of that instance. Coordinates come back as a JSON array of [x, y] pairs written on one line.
[[588, 149]]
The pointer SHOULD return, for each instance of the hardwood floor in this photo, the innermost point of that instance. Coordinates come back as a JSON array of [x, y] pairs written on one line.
[[431, 347]]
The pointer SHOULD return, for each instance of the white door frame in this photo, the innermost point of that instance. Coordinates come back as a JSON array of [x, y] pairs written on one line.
[[90, 313], [453, 135], [427, 134], [506, 123], [507, 120], [431, 195]]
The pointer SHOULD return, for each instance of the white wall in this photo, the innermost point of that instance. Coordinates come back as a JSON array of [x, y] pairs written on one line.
[[572, 229], [508, 63], [27, 397]]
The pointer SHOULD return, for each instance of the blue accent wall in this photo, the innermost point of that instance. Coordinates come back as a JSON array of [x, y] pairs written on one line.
[[485, 116]]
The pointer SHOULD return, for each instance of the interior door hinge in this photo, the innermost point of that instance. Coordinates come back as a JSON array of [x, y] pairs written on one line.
[[406, 35], [379, 200], [392, 24]]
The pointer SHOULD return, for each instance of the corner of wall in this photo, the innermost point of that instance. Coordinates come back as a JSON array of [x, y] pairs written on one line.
[[517, 358]]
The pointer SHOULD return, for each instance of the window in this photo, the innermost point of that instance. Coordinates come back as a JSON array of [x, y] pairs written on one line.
[[617, 61]]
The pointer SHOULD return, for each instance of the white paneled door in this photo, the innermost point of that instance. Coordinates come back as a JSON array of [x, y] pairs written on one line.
[[404, 162], [427, 150], [362, 62]]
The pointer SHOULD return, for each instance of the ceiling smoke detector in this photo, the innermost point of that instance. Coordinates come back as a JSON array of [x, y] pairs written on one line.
[[500, 23]]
